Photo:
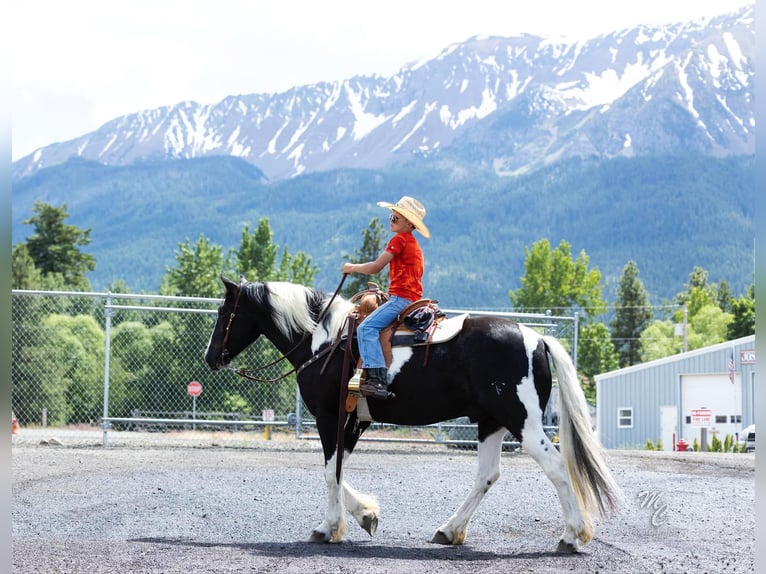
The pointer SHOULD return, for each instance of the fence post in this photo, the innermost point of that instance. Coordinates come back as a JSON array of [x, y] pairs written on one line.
[[576, 338], [298, 418], [108, 312]]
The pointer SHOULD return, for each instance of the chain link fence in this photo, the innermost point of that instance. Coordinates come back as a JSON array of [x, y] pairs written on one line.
[[112, 368]]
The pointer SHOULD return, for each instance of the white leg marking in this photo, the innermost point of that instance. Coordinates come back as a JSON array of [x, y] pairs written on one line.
[[535, 442], [455, 529], [333, 528], [363, 507]]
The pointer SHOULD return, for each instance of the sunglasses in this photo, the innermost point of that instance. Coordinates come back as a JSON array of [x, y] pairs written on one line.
[[394, 218]]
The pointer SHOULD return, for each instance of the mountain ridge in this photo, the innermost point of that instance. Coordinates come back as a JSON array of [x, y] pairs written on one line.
[[572, 91]]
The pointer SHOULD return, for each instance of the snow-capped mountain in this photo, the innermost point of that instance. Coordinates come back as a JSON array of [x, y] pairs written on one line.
[[513, 103]]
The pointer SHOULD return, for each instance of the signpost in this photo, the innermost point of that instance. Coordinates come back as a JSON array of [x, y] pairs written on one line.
[[194, 389], [267, 416]]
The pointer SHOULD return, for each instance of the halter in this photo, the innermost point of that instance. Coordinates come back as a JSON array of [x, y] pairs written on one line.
[[245, 372]]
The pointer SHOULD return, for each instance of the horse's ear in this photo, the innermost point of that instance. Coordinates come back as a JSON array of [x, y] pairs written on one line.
[[228, 283]]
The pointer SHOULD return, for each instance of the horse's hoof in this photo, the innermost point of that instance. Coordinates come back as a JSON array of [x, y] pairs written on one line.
[[566, 548], [318, 537], [370, 524], [440, 538]]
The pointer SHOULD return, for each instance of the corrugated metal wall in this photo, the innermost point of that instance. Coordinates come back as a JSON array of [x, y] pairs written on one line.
[[647, 387]]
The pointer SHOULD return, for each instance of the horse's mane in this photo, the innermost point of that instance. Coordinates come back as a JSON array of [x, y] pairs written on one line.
[[294, 307]]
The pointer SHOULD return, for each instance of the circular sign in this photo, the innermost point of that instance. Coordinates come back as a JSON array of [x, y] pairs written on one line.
[[194, 389]]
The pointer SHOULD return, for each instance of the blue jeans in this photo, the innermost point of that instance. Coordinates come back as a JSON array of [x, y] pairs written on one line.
[[368, 332]]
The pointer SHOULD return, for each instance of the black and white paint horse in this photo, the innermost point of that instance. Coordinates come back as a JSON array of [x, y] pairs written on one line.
[[495, 371]]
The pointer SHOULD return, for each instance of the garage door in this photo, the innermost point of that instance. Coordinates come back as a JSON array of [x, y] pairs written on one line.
[[716, 393]]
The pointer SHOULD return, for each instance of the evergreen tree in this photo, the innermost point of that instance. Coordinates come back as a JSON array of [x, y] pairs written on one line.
[[373, 244], [55, 246], [631, 317], [724, 296], [24, 274], [198, 270], [257, 254], [257, 258]]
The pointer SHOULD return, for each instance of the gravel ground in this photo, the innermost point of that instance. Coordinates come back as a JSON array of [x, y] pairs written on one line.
[[193, 510]]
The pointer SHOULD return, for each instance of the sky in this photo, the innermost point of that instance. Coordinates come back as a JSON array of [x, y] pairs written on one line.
[[77, 64]]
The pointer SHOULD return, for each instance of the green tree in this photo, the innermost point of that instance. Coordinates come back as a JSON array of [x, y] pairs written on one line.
[[632, 314], [155, 364], [24, 274], [296, 268], [198, 270], [554, 280], [658, 340], [256, 258], [79, 350], [59, 368], [708, 326], [373, 244], [595, 355], [700, 292], [55, 246], [743, 315], [257, 254], [724, 296]]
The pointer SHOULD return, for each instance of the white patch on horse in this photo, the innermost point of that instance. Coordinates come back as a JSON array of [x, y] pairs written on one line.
[[332, 327], [400, 356], [289, 309], [499, 387], [526, 389]]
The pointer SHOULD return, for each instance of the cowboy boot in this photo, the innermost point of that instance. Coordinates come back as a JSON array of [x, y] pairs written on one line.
[[376, 384]]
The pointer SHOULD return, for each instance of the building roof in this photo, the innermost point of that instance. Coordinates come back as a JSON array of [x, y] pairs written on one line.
[[678, 357]]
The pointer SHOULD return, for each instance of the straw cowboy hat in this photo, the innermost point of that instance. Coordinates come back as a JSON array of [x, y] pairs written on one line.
[[412, 210]]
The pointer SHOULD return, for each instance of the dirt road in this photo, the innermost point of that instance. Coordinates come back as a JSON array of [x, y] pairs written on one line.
[[214, 510]]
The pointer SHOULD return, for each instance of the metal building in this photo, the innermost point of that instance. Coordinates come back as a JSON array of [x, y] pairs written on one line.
[[677, 397]]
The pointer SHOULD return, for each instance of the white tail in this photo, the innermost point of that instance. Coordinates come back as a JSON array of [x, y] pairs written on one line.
[[591, 479]]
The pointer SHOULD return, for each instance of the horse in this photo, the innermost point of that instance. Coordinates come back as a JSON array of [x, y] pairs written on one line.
[[495, 371]]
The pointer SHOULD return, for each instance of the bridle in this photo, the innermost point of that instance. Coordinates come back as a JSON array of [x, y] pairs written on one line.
[[247, 373]]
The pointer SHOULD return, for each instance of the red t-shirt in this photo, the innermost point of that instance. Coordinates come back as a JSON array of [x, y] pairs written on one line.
[[406, 268]]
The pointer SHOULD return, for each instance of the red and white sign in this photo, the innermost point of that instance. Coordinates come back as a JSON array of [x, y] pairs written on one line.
[[702, 417], [194, 389]]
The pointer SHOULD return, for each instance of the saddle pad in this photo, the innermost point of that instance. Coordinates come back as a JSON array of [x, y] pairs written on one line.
[[444, 331]]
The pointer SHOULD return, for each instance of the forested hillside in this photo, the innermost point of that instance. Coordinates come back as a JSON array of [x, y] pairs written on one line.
[[668, 214]]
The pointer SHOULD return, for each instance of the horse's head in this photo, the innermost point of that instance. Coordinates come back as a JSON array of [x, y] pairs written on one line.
[[235, 328]]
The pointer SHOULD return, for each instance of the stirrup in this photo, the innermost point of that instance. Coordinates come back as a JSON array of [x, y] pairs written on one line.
[[354, 382], [375, 390]]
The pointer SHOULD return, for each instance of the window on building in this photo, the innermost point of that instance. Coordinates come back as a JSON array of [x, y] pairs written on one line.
[[720, 418], [625, 417], [735, 418]]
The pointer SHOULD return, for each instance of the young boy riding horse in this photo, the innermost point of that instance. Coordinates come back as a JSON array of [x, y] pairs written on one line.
[[405, 260]]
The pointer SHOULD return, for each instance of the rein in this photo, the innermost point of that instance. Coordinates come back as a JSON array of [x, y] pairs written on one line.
[[246, 373]]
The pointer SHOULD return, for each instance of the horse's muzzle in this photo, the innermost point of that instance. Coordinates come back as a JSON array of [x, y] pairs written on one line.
[[219, 362]]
